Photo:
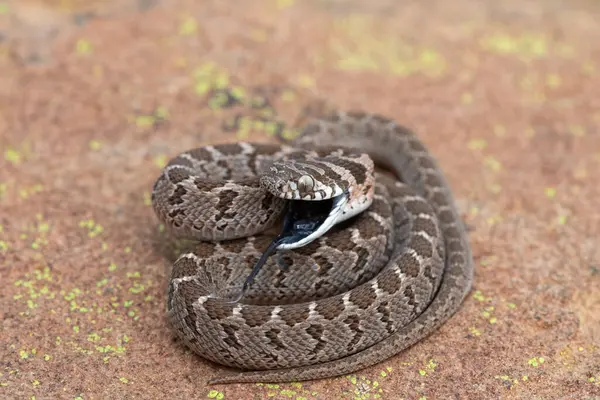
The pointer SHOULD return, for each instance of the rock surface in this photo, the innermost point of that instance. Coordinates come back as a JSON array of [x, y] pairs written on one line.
[[95, 96]]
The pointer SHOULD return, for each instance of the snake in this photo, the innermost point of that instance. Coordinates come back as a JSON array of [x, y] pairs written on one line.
[[372, 255]]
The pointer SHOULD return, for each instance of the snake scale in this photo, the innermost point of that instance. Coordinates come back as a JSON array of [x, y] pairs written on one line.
[[368, 288]]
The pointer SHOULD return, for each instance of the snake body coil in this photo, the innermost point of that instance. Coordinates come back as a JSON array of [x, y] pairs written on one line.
[[370, 287]]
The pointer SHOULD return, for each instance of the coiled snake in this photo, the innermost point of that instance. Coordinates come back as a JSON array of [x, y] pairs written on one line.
[[372, 285]]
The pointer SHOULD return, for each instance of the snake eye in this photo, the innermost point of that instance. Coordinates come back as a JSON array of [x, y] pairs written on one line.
[[305, 183]]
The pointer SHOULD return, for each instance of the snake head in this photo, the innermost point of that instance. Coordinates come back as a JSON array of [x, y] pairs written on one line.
[[303, 180], [324, 191]]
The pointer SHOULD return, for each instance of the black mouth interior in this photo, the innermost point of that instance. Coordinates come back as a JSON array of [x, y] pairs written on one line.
[[301, 220]]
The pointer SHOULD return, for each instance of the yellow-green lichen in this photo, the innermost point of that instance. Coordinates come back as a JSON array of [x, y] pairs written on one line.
[[214, 394], [527, 45], [94, 229], [358, 46], [536, 361], [429, 368], [83, 46], [550, 192], [487, 314], [13, 156], [160, 161], [477, 144], [492, 163], [28, 191], [477, 295], [147, 199], [474, 331], [283, 4], [95, 144], [188, 26]]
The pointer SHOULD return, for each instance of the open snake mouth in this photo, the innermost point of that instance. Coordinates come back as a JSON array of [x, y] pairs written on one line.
[[304, 222]]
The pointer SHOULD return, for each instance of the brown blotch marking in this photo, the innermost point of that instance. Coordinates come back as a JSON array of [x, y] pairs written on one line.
[[362, 258], [287, 260], [427, 163], [339, 237], [204, 250], [229, 149], [256, 316], [379, 119], [421, 246], [225, 203], [446, 217], [279, 281], [323, 263], [231, 340], [418, 207], [200, 154], [316, 332], [327, 171], [226, 169], [408, 292], [293, 316], [363, 298], [433, 180], [384, 310], [358, 170], [370, 227], [456, 259], [425, 225], [439, 199], [179, 160], [177, 196], [173, 214], [451, 231], [233, 246], [205, 185], [417, 146], [454, 246], [221, 261], [217, 311], [273, 336], [192, 290], [336, 117], [330, 309], [266, 149], [251, 259], [409, 265], [310, 129], [391, 283], [185, 267], [400, 130], [268, 201], [354, 324], [251, 163], [321, 288], [380, 206], [427, 272]]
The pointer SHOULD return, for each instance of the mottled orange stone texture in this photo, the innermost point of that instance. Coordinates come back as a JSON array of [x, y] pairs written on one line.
[[95, 97]]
